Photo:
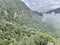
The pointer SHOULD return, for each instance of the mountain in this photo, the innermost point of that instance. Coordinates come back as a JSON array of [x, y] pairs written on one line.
[[21, 26], [55, 11]]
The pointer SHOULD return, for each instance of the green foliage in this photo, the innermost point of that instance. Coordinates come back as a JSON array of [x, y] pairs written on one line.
[[21, 26]]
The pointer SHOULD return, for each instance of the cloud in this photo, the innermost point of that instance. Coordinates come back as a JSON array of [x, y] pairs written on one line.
[[42, 5]]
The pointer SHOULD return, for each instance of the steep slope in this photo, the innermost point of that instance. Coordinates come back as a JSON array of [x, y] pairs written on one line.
[[21, 26]]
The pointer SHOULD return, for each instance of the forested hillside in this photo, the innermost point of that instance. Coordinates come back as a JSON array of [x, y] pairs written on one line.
[[21, 26]]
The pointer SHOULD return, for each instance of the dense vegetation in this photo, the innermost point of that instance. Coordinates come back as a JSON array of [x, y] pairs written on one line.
[[21, 26]]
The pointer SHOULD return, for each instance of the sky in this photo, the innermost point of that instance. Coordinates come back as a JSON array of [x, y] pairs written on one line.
[[42, 5]]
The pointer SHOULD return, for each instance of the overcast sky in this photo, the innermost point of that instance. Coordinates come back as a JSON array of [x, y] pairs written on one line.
[[42, 5]]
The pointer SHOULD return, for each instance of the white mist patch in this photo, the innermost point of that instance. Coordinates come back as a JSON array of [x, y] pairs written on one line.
[[52, 20], [52, 16]]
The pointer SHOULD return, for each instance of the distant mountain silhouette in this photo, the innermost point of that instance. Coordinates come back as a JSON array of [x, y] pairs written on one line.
[[38, 13], [55, 11]]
